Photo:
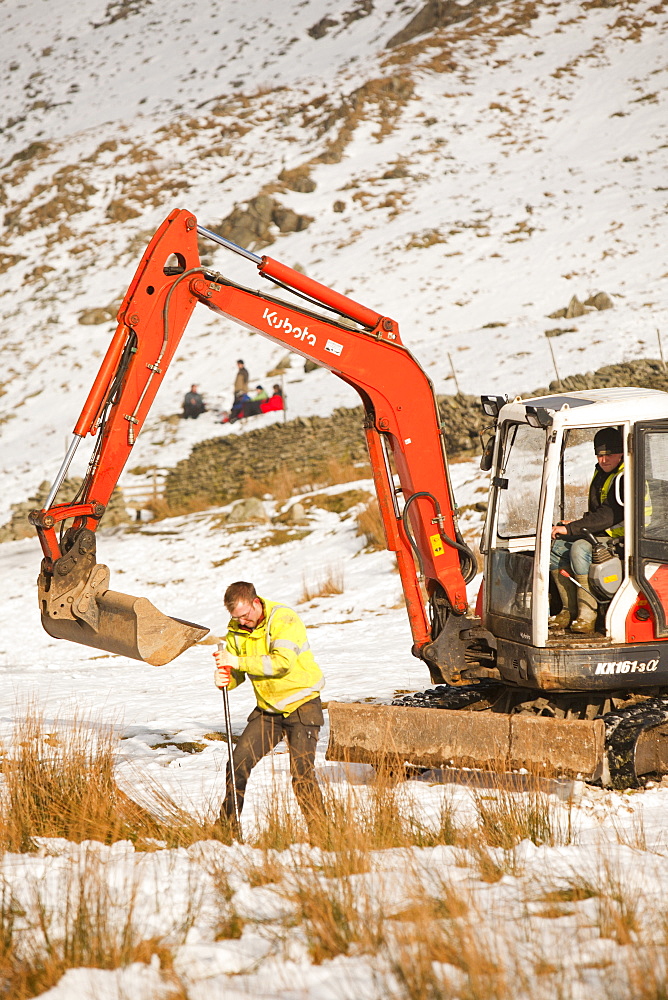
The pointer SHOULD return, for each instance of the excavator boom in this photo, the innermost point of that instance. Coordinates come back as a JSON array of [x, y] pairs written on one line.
[[586, 721], [357, 344]]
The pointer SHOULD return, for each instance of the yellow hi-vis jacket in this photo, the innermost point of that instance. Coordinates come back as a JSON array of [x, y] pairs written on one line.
[[277, 657], [617, 530]]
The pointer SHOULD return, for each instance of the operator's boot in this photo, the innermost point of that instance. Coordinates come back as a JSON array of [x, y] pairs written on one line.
[[587, 608], [569, 601]]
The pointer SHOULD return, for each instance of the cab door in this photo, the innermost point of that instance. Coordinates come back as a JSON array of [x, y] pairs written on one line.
[[650, 521]]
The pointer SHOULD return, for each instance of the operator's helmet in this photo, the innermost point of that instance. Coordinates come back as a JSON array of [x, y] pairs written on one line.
[[608, 441]]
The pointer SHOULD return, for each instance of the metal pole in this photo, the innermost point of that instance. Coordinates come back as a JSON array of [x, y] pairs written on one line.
[[228, 729], [556, 370], [62, 472], [229, 245], [658, 337], [454, 373]]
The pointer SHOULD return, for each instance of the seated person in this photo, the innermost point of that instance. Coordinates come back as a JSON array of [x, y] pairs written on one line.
[[193, 404], [253, 406], [274, 402], [605, 517], [237, 411]]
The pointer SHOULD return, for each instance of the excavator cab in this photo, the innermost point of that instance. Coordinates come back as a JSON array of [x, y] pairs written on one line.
[[541, 472]]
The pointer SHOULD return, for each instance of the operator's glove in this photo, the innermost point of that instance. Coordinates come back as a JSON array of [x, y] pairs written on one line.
[[225, 664], [222, 676]]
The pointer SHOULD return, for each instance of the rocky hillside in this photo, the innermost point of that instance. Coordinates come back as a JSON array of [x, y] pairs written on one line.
[[467, 168]]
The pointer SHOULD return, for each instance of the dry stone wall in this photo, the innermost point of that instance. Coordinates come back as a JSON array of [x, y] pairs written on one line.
[[216, 470], [19, 527]]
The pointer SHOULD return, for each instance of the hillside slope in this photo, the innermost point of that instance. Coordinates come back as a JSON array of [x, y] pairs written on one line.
[[466, 168]]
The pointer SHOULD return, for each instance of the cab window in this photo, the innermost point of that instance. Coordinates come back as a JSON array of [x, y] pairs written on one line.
[[519, 481]]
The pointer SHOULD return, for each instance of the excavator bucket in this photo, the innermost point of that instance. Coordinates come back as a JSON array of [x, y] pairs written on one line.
[[76, 604], [129, 626]]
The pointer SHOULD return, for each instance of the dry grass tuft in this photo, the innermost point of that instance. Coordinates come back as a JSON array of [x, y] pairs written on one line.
[[283, 484], [490, 863], [435, 959], [84, 923], [279, 827], [338, 471], [229, 924], [59, 782], [161, 508], [328, 583], [335, 917], [370, 526], [506, 818], [266, 872]]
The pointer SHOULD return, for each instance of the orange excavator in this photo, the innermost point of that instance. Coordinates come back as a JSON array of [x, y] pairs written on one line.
[[509, 694]]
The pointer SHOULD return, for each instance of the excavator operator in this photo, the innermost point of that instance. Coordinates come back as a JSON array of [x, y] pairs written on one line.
[[572, 552], [267, 641]]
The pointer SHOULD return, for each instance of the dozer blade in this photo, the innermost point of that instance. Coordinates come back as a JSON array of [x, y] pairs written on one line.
[[130, 626], [376, 734]]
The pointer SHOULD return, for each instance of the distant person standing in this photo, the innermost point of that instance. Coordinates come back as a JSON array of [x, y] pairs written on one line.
[[241, 380], [193, 404]]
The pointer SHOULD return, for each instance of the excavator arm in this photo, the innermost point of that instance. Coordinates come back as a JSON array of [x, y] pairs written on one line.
[[357, 344]]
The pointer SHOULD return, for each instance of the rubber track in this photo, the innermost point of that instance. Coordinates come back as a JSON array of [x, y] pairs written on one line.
[[622, 730], [453, 698]]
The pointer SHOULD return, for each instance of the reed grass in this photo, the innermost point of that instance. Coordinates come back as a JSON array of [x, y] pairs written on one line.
[[59, 782], [43, 932], [328, 583]]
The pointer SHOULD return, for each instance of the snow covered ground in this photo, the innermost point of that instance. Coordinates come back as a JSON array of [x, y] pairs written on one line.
[[513, 160], [583, 917]]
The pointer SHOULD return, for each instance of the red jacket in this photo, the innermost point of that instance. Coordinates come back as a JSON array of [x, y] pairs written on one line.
[[274, 402]]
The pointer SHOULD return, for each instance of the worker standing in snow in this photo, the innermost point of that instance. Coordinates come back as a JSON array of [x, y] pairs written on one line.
[[267, 641]]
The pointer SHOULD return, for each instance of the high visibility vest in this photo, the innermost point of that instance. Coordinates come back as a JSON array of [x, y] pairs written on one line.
[[617, 530], [277, 658]]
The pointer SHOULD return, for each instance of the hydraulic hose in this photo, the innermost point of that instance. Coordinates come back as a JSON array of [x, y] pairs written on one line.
[[468, 564]]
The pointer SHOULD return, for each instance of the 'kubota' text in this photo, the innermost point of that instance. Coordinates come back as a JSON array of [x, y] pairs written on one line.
[[275, 321]]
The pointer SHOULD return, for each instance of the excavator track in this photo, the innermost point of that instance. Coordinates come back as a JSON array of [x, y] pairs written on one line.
[[623, 732], [483, 694]]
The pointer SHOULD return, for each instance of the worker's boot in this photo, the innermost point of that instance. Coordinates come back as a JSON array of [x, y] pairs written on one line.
[[569, 601], [587, 608]]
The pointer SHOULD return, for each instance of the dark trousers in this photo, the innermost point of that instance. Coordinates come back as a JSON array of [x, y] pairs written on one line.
[[263, 732]]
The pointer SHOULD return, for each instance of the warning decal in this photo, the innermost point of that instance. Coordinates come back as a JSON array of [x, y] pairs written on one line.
[[436, 545]]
